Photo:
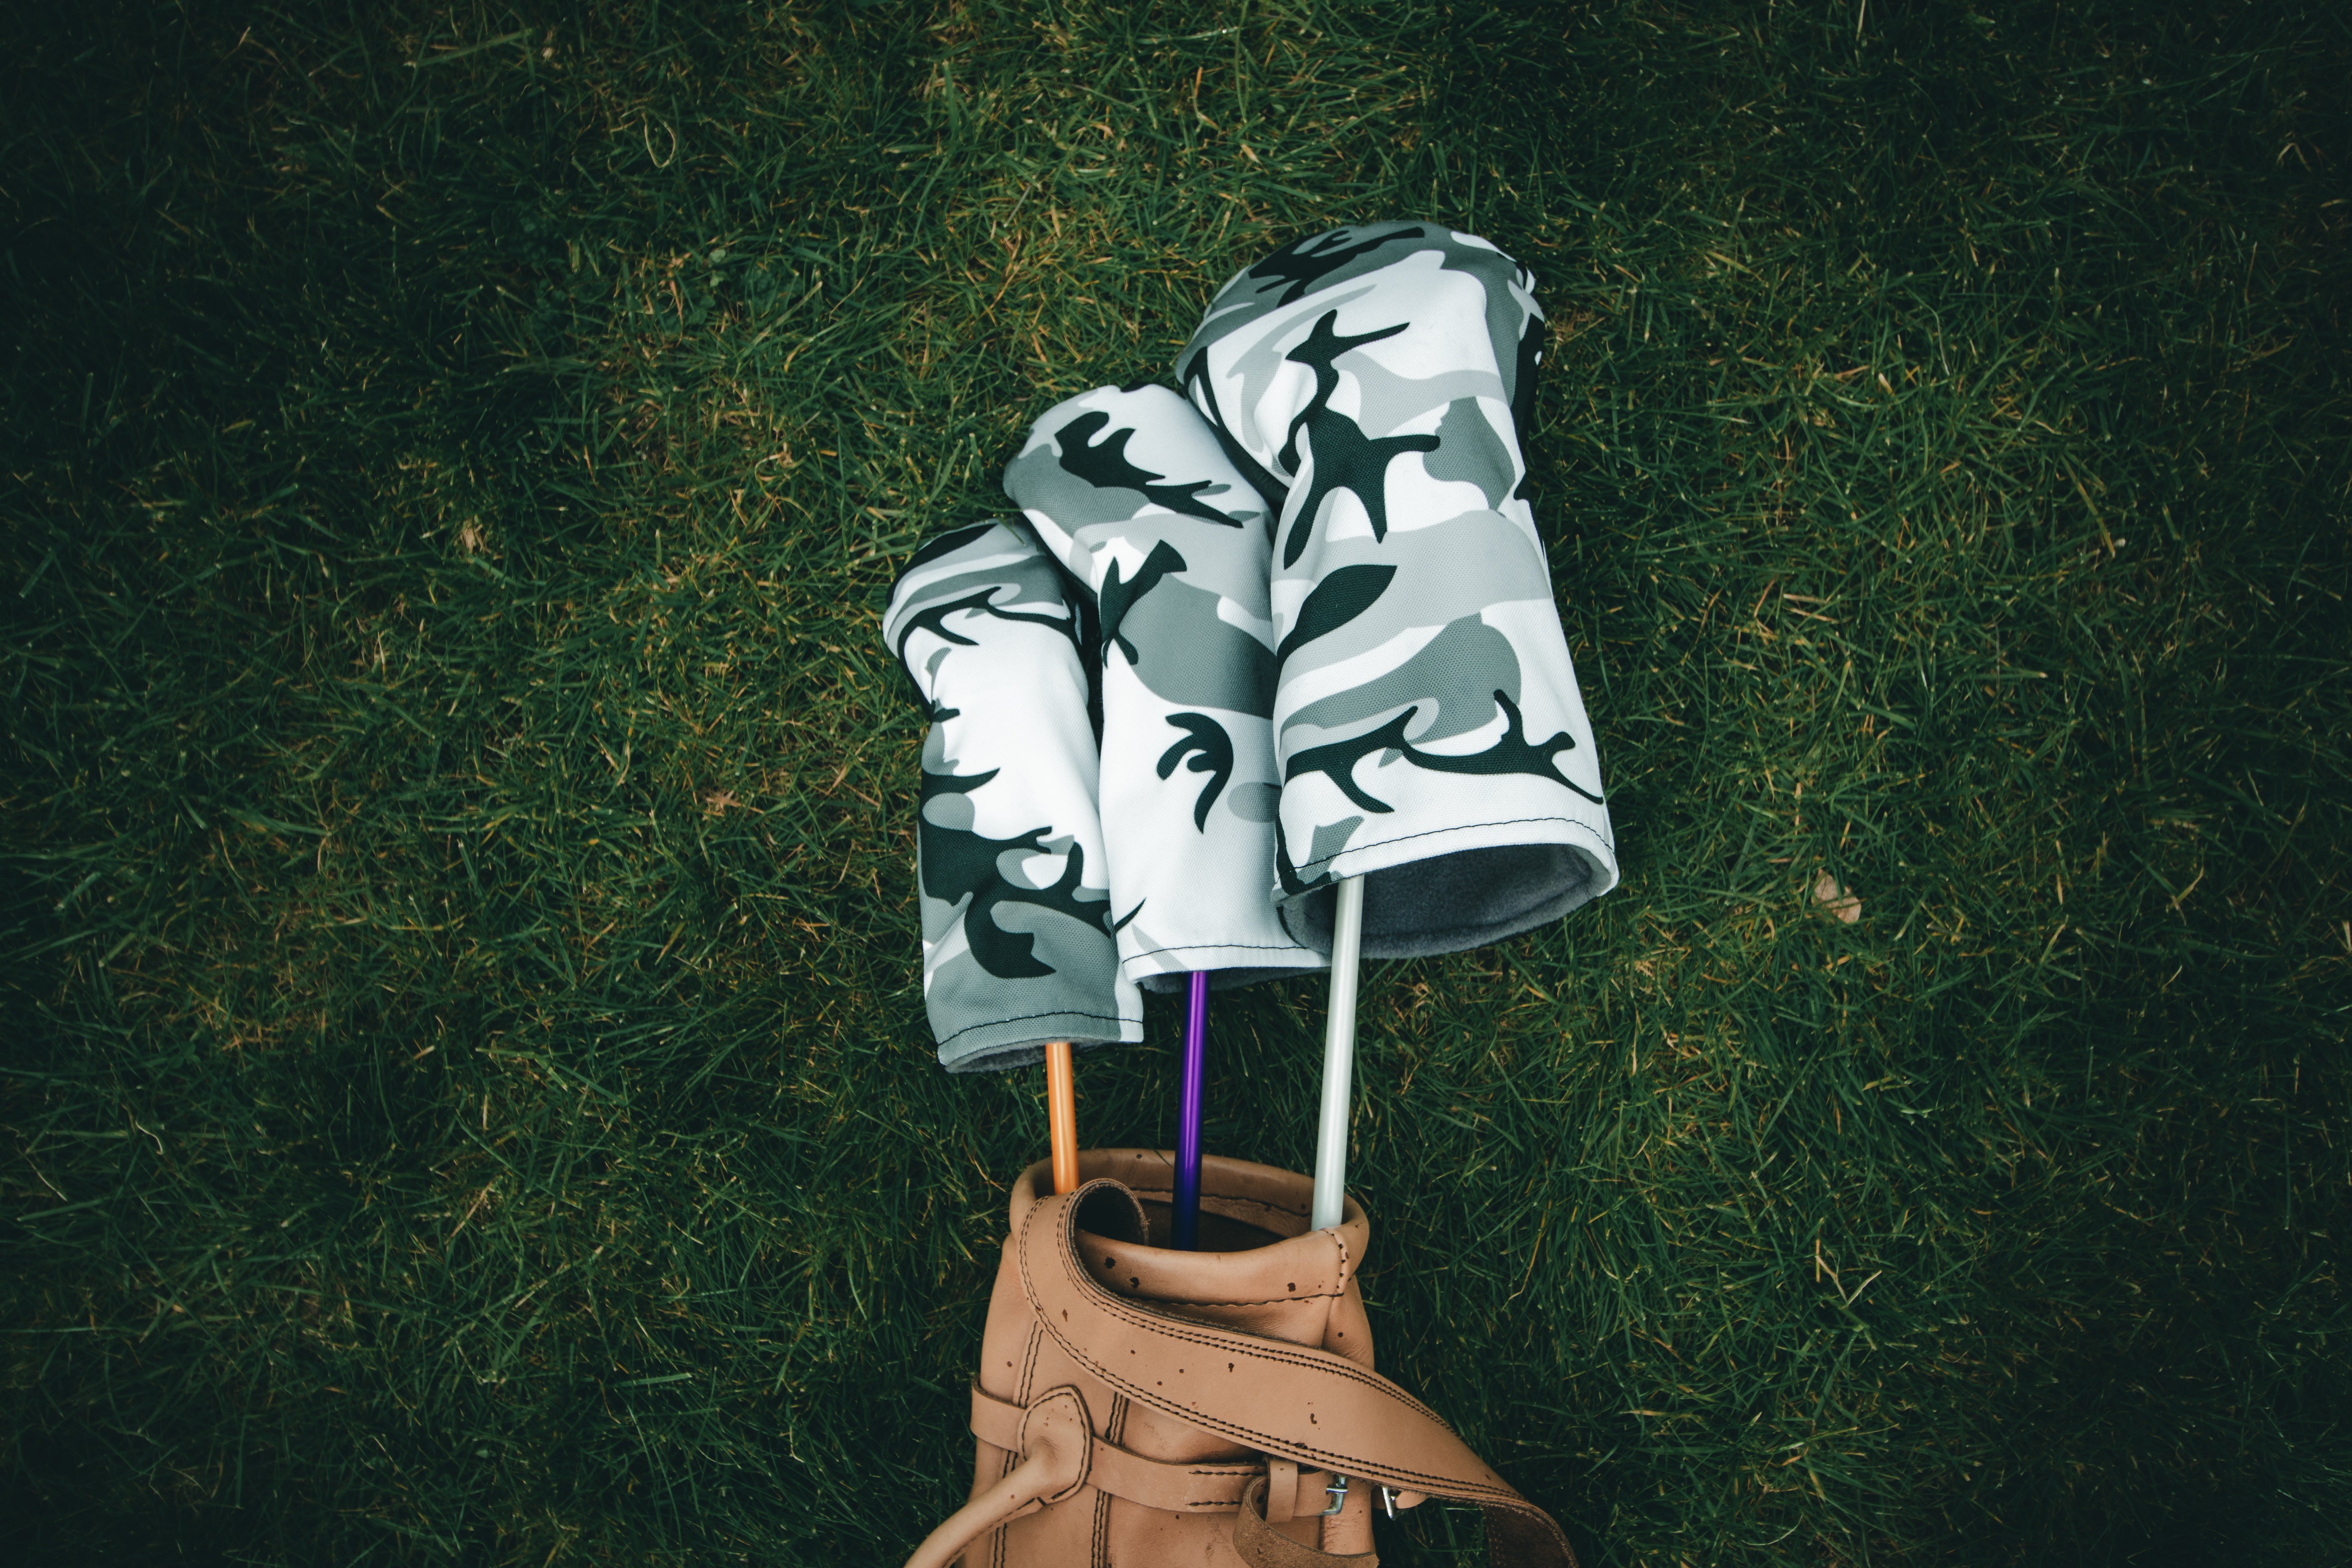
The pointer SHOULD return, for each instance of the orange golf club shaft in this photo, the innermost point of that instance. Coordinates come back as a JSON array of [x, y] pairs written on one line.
[[1062, 1115]]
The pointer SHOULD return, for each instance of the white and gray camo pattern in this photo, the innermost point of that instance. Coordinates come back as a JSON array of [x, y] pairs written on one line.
[[1017, 944], [1171, 546], [1309, 618], [1370, 383]]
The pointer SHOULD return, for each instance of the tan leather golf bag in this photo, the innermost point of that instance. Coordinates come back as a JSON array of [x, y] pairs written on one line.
[[1142, 1408]]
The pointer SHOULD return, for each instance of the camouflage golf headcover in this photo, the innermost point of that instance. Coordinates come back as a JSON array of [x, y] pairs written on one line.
[[1369, 383], [1129, 490], [1017, 946]]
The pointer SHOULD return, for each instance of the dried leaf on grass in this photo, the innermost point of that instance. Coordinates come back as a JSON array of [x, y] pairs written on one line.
[[1836, 899]]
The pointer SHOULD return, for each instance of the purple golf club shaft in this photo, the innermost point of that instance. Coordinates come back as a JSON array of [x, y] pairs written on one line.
[[1187, 1216]]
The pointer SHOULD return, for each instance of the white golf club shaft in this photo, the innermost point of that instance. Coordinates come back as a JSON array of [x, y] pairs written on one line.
[[1339, 1056]]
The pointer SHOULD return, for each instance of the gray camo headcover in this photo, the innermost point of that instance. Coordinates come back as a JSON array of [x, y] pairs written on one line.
[[1017, 945], [1129, 490], [1322, 626], [1427, 725]]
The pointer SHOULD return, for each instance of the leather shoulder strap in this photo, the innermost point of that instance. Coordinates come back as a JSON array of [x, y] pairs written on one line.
[[1294, 1401]]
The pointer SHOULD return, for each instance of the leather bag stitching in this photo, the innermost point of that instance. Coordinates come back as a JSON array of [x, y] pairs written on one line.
[[1241, 1471], [1270, 1301], [1262, 1349], [1432, 1482]]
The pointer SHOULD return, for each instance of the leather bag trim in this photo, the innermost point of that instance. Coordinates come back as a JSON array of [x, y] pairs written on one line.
[[1079, 1315], [1166, 1486]]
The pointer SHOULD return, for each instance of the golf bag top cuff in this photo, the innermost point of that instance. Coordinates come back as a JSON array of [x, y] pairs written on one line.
[[1017, 944]]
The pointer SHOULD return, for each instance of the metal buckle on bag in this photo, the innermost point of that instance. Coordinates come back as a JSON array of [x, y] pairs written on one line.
[[1338, 1492], [1388, 1501]]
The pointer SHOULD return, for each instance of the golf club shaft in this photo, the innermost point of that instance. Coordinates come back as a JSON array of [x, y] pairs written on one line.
[[1062, 1115], [1339, 1056], [1186, 1220]]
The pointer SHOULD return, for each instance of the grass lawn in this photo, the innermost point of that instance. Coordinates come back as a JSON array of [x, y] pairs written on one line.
[[466, 1085]]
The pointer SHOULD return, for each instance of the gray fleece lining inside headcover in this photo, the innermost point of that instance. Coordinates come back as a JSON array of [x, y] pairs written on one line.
[[1454, 901]]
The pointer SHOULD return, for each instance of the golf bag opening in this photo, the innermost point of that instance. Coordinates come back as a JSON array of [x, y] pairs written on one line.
[[1244, 1217], [1217, 1232], [1113, 1214]]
